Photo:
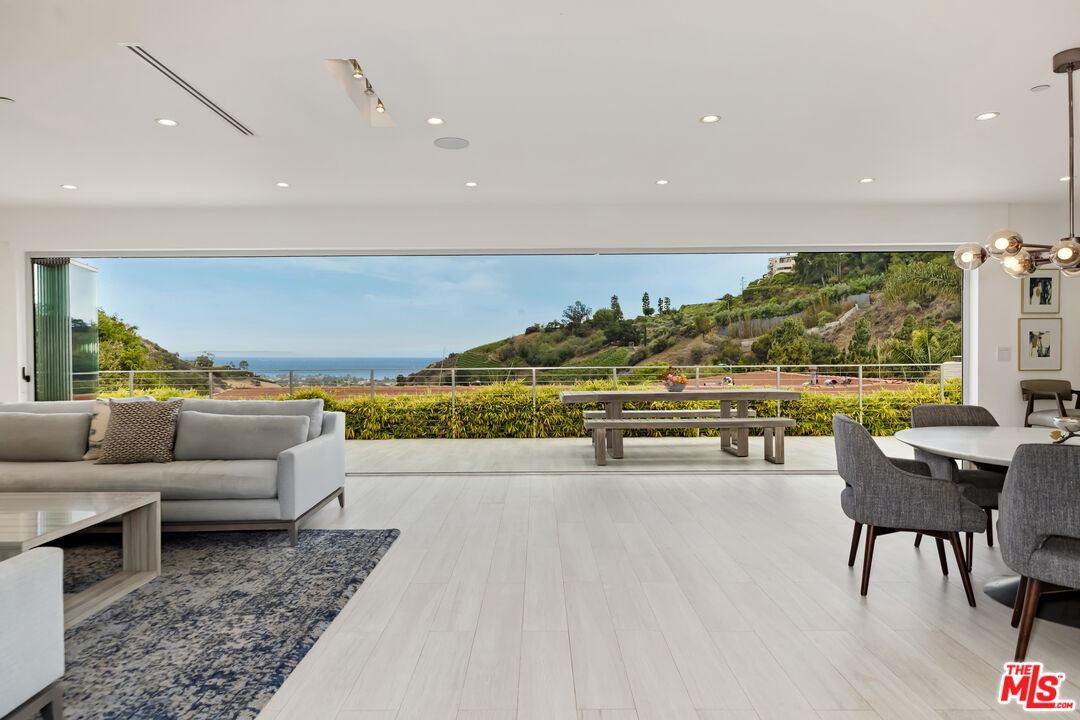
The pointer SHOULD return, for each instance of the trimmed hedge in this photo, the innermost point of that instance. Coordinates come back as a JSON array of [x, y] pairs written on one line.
[[505, 410]]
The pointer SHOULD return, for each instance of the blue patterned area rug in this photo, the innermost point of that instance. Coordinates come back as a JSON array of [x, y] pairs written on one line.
[[215, 636]]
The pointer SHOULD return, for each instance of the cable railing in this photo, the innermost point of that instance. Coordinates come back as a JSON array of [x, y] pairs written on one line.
[[856, 381]]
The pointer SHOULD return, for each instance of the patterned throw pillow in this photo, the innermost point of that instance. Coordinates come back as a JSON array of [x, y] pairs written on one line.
[[140, 432], [100, 422]]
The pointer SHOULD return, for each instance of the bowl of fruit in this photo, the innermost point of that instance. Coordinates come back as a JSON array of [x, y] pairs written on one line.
[[673, 380]]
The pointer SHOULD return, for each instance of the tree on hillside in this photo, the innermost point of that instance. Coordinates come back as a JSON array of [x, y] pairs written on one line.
[[859, 349], [703, 323], [244, 365], [647, 311], [928, 344], [205, 360], [616, 308], [119, 345], [789, 344], [921, 281], [667, 304], [576, 314]]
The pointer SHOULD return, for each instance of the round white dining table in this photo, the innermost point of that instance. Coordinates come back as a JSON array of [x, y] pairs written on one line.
[[990, 445], [995, 446]]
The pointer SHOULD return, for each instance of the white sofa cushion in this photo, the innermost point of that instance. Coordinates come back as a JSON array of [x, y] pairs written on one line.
[[187, 480], [51, 406], [312, 408], [207, 436], [40, 437]]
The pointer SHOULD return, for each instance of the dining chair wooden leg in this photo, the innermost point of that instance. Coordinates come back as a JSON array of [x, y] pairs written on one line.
[[1027, 617], [941, 556], [1018, 604], [868, 558], [954, 538], [918, 539], [854, 544], [989, 526], [969, 542]]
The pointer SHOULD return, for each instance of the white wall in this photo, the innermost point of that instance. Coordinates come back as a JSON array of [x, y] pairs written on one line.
[[545, 229], [997, 299]]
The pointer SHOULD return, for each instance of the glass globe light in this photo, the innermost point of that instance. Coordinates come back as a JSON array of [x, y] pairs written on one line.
[[1066, 253], [970, 256], [1004, 242], [1018, 265]]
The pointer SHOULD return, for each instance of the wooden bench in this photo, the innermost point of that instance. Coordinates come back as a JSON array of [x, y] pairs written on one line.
[[774, 431], [725, 440]]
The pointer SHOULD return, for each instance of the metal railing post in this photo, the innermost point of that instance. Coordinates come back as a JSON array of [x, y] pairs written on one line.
[[941, 378], [615, 378], [777, 377], [290, 383], [131, 383], [371, 380], [697, 377], [860, 395], [453, 402], [534, 403], [210, 382]]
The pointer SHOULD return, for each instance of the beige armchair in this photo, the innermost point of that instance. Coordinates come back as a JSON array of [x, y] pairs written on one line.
[[1060, 391]]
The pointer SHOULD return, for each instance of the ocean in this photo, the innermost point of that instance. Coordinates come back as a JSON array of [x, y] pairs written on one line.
[[271, 365]]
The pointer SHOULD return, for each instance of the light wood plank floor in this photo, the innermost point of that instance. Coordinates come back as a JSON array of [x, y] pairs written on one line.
[[637, 597], [575, 455]]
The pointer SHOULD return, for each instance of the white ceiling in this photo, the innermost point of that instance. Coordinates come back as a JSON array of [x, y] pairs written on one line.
[[563, 101]]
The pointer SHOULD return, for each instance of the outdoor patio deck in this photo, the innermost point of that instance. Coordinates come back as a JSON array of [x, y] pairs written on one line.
[[575, 455]]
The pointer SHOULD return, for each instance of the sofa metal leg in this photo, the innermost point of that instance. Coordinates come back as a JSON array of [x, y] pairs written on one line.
[[341, 497], [294, 534]]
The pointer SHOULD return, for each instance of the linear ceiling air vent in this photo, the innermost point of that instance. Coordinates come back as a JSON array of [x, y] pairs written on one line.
[[188, 87]]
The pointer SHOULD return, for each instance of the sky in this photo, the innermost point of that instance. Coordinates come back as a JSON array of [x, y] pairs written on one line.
[[388, 306]]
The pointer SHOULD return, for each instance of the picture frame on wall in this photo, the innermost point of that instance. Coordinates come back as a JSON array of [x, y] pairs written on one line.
[[1040, 293], [1040, 344]]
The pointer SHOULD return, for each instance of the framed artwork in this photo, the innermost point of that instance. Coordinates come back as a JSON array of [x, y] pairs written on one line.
[[1040, 293], [1040, 344]]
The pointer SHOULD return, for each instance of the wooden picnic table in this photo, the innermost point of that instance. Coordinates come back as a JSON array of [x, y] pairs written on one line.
[[613, 401]]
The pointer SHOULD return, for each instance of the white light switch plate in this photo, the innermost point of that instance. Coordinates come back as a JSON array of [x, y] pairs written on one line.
[[1003, 354]]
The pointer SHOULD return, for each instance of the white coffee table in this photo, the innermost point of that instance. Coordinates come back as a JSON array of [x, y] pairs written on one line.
[[31, 519]]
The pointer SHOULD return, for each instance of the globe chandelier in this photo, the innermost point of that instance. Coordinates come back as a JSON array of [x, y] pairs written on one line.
[[1019, 258]]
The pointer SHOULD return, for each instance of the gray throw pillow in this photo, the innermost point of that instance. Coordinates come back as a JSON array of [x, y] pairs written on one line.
[[311, 408], [56, 437], [100, 422], [140, 432], [208, 436]]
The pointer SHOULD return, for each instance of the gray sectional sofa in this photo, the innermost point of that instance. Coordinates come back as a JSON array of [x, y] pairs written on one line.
[[259, 492]]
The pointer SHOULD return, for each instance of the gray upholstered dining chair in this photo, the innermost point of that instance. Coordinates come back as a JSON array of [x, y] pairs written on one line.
[[1039, 528], [891, 495], [980, 485], [1060, 391]]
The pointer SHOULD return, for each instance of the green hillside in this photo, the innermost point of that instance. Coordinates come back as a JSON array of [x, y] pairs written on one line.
[[790, 318]]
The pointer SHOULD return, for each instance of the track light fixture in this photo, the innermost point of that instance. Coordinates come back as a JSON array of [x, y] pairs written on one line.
[[368, 90], [356, 71], [379, 107]]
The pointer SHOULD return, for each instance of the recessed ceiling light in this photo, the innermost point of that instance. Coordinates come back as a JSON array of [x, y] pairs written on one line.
[[167, 122], [471, 184], [69, 187], [661, 181], [866, 181], [1040, 88], [451, 143], [987, 116], [281, 184], [710, 119], [435, 121], [6, 99]]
